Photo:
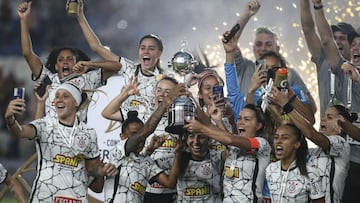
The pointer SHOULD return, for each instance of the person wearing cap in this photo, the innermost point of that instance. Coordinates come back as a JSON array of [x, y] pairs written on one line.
[[67, 149], [327, 85], [265, 41]]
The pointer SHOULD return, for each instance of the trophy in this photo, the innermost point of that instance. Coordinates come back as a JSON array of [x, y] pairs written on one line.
[[183, 107]]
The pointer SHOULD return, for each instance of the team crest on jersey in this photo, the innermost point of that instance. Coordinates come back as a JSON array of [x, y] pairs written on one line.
[[66, 200], [81, 141], [205, 170], [293, 187], [78, 82]]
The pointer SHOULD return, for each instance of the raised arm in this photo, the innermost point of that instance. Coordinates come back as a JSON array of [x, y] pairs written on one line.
[[308, 130], [134, 141], [251, 9], [326, 35], [218, 134], [17, 107], [31, 58], [91, 37], [112, 110], [308, 27]]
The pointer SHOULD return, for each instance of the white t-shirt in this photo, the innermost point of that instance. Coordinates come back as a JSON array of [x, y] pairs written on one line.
[[62, 151], [291, 186], [201, 181], [135, 172], [340, 152], [143, 103], [239, 187]]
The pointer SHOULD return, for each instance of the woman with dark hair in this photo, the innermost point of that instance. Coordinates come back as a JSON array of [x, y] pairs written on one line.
[[63, 64], [137, 171], [290, 179], [332, 155], [247, 155], [148, 70]]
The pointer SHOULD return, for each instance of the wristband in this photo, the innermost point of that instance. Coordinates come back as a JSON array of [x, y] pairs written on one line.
[[288, 108], [318, 7]]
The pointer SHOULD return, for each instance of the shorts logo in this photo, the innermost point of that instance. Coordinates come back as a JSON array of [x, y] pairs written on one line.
[[197, 191], [138, 188], [66, 200], [65, 160]]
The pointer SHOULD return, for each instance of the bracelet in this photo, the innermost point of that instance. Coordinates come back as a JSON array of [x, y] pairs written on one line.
[[288, 108], [318, 7]]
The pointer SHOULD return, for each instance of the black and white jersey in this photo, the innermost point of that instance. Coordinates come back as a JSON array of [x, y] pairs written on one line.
[[3, 173], [291, 186], [62, 150], [245, 173], [335, 162]]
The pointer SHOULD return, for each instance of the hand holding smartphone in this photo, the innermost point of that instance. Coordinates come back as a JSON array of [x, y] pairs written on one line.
[[218, 95], [19, 93]]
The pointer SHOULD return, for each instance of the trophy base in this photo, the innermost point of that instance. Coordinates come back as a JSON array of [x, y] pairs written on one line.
[[177, 129]]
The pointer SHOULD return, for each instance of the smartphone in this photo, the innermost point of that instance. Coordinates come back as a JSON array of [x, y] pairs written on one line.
[[42, 88], [218, 94], [233, 31], [19, 93], [261, 62]]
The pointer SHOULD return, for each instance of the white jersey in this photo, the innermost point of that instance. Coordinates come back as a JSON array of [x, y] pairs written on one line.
[[290, 186], [163, 155], [62, 150], [3, 173], [245, 173], [335, 162], [143, 103], [201, 181], [87, 81], [135, 172]]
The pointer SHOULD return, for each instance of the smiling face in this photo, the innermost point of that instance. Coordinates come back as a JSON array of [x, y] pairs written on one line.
[[162, 90], [149, 54], [198, 145], [286, 144], [247, 123], [205, 90], [342, 43], [328, 123], [65, 105], [64, 63], [355, 51], [264, 42]]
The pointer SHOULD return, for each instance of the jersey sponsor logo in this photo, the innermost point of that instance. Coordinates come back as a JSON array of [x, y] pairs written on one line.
[[218, 147], [66, 160], [169, 143], [235, 172], [66, 200], [197, 191], [135, 103], [138, 188]]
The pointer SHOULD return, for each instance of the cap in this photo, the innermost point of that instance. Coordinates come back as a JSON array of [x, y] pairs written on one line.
[[345, 28]]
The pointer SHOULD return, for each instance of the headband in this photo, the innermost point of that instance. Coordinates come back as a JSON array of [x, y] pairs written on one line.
[[74, 91]]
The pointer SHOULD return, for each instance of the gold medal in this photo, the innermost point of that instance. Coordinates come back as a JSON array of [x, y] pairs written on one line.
[[159, 77]]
